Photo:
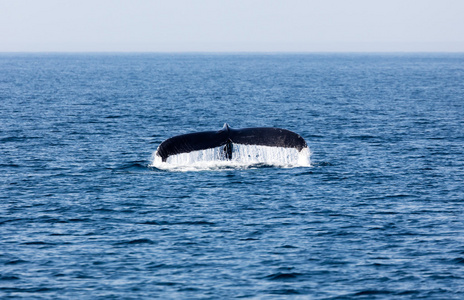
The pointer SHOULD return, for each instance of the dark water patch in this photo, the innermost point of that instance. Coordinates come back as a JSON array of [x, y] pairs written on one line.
[[363, 137], [304, 173], [38, 243], [316, 136], [335, 262], [156, 265], [408, 293], [16, 262], [136, 242], [135, 166], [6, 220], [284, 292], [105, 210], [195, 223], [283, 276], [445, 276], [373, 293], [249, 239], [458, 260], [164, 283], [386, 213], [52, 220], [154, 223], [72, 220], [80, 275], [190, 289], [18, 139], [9, 277], [288, 247], [10, 166], [28, 291], [168, 223]]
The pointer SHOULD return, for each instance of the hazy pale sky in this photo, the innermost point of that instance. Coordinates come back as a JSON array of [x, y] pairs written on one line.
[[235, 25]]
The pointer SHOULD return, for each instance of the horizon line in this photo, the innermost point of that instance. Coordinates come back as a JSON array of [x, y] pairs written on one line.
[[232, 52]]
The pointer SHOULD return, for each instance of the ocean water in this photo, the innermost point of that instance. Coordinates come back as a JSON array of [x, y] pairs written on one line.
[[378, 213]]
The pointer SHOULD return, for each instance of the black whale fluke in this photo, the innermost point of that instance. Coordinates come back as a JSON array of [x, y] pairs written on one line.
[[226, 137]]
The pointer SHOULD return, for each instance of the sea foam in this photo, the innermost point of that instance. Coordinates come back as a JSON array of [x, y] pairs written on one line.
[[243, 156]]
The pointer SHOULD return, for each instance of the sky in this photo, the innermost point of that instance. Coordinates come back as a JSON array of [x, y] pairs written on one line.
[[231, 26]]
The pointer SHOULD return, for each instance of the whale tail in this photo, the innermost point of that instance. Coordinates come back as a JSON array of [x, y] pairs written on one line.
[[227, 137]]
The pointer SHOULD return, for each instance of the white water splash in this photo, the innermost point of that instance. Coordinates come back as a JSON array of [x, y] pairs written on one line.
[[243, 156]]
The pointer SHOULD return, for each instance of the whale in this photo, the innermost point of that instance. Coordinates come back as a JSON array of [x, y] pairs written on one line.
[[227, 137]]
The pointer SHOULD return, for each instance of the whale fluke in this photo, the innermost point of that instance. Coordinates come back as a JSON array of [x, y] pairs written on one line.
[[226, 137]]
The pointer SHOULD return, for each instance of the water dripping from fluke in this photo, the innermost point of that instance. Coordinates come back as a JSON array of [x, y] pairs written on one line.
[[232, 148]]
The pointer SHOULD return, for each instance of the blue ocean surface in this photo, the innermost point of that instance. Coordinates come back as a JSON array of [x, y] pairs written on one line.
[[379, 213]]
